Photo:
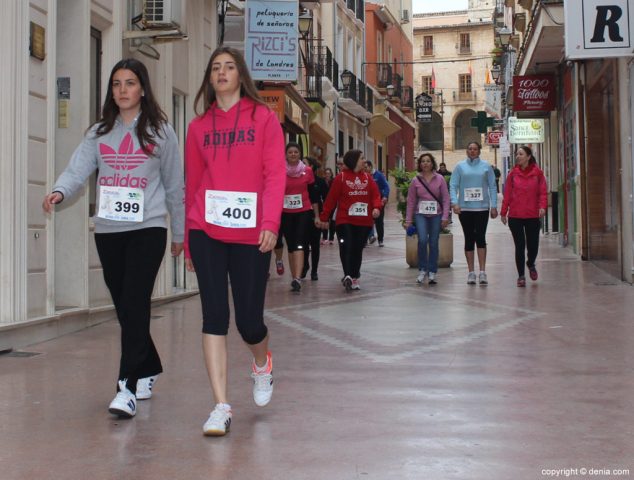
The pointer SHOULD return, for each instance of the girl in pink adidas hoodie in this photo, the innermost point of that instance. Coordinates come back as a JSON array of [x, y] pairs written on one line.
[[234, 191]]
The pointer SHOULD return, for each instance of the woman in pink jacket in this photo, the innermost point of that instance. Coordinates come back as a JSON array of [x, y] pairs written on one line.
[[524, 204], [428, 208]]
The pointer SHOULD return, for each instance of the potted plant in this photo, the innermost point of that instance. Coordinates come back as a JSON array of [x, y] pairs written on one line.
[[402, 181]]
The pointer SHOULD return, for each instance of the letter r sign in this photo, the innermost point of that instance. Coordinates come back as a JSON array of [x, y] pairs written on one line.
[[598, 28]]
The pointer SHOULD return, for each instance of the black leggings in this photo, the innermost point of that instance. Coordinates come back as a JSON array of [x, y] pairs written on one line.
[[314, 236], [525, 233], [474, 227], [247, 269], [130, 262], [351, 240], [294, 227]]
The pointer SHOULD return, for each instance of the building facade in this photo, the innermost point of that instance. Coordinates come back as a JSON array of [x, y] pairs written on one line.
[[452, 52], [586, 154]]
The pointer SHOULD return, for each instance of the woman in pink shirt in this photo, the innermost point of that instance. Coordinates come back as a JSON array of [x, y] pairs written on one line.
[[234, 192], [300, 210], [428, 208]]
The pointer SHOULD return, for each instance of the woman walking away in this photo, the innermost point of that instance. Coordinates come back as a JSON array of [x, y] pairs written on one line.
[[233, 197], [428, 208], [300, 211], [356, 197], [131, 221], [525, 202]]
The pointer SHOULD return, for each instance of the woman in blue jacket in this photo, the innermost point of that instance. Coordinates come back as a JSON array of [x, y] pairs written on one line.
[[473, 197]]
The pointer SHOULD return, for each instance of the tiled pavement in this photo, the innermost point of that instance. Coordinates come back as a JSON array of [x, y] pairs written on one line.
[[398, 381]]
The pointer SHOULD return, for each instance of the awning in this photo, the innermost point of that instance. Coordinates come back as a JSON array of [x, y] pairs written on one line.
[[319, 133], [381, 127]]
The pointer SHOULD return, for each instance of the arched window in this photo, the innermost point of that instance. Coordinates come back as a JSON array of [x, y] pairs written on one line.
[[465, 133], [430, 134]]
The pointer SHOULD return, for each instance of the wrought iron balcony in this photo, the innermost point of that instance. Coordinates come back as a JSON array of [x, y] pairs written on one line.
[[407, 98], [383, 75], [397, 82], [354, 99], [310, 83]]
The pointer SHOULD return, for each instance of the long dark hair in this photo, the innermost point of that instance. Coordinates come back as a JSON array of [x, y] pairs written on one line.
[[529, 152], [150, 115], [206, 92]]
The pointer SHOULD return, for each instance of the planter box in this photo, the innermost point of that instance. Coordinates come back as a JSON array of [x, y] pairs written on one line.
[[445, 247]]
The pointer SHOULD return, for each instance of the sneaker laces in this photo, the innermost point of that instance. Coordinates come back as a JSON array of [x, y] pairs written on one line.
[[262, 380], [218, 415]]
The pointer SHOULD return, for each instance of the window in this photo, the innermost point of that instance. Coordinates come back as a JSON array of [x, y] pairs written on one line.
[[428, 45], [464, 82], [465, 43], [426, 85]]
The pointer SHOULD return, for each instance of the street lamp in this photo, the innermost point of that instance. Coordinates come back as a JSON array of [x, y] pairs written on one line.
[[390, 90], [305, 22], [346, 78], [496, 71], [504, 34]]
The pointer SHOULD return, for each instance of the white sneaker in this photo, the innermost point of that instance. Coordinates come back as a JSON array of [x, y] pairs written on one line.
[[263, 382], [471, 278], [124, 403], [144, 387], [432, 278], [219, 421], [483, 279], [355, 284], [421, 276]]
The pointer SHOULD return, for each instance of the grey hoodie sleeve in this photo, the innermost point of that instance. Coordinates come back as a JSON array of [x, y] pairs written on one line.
[[172, 179], [83, 162]]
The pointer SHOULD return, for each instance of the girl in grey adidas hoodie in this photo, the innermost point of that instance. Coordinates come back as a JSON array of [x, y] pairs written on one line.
[[140, 180]]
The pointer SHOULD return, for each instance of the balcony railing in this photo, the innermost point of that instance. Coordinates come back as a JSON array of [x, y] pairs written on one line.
[[383, 75], [310, 85], [357, 98], [397, 82], [326, 61], [464, 49], [407, 98], [369, 100]]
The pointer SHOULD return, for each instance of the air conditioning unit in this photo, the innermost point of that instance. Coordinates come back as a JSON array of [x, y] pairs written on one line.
[[405, 16], [161, 13]]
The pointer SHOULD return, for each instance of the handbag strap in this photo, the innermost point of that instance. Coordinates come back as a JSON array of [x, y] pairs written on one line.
[[430, 192]]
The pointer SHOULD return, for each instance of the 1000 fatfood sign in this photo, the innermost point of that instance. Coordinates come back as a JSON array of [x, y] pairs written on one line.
[[533, 93]]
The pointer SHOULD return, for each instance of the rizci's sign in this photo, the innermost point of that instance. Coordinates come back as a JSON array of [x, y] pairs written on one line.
[[271, 39], [533, 93], [526, 130], [598, 28]]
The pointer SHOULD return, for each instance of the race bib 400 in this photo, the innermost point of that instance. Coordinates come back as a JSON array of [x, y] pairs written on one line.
[[231, 209]]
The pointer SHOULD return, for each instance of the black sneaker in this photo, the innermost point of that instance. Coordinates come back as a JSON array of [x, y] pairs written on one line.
[[347, 283], [314, 276], [296, 286]]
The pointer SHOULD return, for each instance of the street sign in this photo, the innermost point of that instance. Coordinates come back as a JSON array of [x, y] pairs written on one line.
[[423, 108], [493, 138]]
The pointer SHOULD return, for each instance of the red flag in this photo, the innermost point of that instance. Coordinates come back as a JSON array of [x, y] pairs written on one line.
[[433, 80]]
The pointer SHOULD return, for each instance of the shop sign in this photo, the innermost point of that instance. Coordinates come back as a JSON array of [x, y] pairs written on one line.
[[424, 105], [526, 130], [598, 28], [493, 137], [274, 99], [271, 39], [533, 93]]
